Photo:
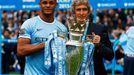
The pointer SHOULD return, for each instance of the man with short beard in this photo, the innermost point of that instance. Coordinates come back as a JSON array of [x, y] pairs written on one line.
[[33, 34]]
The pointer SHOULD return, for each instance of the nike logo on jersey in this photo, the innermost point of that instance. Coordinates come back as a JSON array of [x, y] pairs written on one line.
[[39, 29]]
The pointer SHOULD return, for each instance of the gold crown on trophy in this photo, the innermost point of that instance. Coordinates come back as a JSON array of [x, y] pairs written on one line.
[[76, 31], [75, 26]]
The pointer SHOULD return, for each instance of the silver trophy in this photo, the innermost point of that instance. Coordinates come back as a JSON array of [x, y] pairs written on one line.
[[75, 49], [76, 31]]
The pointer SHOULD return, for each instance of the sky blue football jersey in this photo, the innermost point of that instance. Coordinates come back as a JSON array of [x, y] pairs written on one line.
[[37, 31], [130, 41]]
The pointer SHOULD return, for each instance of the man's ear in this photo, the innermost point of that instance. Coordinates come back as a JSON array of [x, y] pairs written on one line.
[[56, 3]]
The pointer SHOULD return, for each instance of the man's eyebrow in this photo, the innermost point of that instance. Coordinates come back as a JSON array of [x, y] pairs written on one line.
[[82, 8]]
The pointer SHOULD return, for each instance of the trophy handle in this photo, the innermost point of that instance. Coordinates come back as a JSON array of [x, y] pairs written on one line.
[[89, 38]]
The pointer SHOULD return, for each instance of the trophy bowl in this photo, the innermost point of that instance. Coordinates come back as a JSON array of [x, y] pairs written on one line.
[[75, 39], [74, 46]]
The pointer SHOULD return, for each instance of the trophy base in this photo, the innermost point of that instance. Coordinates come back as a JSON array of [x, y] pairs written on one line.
[[74, 43]]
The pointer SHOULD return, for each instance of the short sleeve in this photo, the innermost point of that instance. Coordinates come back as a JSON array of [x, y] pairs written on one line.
[[130, 32], [25, 30]]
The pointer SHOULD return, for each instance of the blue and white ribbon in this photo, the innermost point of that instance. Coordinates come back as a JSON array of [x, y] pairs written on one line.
[[54, 54], [87, 65], [90, 64], [85, 31]]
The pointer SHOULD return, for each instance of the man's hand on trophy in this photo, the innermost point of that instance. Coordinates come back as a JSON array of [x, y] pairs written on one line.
[[96, 39]]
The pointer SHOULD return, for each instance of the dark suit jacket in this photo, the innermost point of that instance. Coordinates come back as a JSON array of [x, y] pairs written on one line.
[[103, 51]]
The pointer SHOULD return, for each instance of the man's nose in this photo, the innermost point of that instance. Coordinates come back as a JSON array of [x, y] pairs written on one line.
[[47, 5], [81, 12]]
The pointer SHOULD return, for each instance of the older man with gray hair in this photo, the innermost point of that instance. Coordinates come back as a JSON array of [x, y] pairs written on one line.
[[103, 47]]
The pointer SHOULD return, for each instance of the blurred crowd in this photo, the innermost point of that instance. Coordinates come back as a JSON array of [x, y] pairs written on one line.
[[116, 20]]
